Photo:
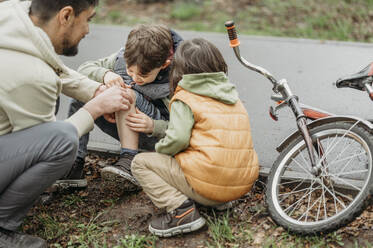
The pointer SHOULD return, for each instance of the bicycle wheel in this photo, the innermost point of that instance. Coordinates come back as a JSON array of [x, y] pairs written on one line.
[[304, 203]]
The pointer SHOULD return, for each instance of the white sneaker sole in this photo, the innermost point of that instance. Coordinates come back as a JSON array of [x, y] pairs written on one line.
[[65, 184], [113, 174], [186, 228]]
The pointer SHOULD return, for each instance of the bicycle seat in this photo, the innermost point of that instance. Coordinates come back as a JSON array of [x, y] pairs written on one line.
[[355, 81]]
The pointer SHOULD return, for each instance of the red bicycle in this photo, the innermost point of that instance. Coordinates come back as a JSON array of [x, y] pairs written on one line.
[[322, 178]]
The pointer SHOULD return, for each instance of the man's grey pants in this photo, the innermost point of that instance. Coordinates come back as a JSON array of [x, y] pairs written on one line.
[[30, 161]]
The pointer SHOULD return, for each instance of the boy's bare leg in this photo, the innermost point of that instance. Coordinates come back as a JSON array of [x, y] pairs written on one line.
[[121, 173], [128, 138]]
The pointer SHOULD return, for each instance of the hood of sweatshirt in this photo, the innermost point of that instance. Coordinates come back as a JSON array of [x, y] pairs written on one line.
[[214, 85], [18, 33]]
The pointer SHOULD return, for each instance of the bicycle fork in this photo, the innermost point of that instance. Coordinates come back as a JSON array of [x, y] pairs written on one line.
[[292, 101]]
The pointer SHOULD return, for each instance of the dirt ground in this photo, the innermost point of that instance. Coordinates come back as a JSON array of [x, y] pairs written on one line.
[[102, 215], [130, 212]]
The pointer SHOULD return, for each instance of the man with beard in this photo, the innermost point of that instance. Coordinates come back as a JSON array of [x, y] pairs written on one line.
[[35, 149]]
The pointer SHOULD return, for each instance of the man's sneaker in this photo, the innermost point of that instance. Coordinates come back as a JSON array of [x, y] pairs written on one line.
[[75, 178], [120, 173], [184, 219], [10, 239]]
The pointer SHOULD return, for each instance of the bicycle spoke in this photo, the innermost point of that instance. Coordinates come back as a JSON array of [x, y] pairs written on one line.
[[327, 189], [293, 190], [343, 159], [345, 196], [308, 208], [290, 182], [335, 202], [337, 142], [305, 170], [326, 172], [297, 202], [323, 198], [318, 210], [308, 205], [340, 153], [348, 173], [344, 181]]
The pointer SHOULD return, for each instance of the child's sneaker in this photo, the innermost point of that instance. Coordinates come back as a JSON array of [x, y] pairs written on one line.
[[184, 219], [121, 173]]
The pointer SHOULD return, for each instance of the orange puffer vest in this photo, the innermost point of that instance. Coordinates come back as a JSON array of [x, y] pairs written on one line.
[[220, 162]]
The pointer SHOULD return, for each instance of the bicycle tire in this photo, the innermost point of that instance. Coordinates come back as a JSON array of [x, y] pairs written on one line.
[[287, 207]]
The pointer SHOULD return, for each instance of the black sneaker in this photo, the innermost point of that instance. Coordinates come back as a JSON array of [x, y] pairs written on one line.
[[10, 239], [120, 173], [184, 219], [227, 205], [75, 178]]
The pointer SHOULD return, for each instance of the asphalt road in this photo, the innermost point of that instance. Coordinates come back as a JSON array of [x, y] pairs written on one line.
[[310, 66]]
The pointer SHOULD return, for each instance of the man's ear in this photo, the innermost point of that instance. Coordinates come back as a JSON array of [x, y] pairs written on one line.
[[167, 63], [66, 16]]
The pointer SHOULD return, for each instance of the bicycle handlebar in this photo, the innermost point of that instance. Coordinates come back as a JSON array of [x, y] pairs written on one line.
[[234, 43], [232, 34]]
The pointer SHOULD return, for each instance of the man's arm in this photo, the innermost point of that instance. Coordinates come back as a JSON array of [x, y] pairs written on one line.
[[78, 86]]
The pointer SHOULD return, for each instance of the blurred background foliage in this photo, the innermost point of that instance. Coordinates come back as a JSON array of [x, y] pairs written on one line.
[[345, 20]]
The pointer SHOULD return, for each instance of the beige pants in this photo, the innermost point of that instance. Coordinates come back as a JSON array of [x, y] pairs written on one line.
[[163, 181]]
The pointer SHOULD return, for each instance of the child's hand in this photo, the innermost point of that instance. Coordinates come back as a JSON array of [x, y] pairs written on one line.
[[111, 79], [140, 122]]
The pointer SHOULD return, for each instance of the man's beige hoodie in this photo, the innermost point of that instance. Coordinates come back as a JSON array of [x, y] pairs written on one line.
[[32, 75]]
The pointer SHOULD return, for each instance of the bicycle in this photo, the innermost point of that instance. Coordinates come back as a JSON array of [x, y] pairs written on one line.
[[322, 178]]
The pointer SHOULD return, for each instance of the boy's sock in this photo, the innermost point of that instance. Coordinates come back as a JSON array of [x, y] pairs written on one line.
[[120, 172], [128, 151]]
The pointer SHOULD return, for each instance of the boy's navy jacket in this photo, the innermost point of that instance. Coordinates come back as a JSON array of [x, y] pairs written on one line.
[[159, 88]]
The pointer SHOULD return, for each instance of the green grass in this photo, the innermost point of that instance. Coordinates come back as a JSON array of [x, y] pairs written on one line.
[[220, 230], [72, 199], [92, 234], [136, 241], [185, 11], [345, 20], [51, 228]]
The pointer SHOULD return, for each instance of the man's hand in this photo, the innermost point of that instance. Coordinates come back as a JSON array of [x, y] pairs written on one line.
[[99, 90], [109, 101], [140, 122], [111, 79], [110, 117]]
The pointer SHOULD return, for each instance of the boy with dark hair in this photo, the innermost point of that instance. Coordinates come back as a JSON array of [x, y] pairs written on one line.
[[142, 65], [35, 149]]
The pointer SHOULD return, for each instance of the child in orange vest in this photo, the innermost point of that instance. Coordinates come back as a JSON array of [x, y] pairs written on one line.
[[207, 154]]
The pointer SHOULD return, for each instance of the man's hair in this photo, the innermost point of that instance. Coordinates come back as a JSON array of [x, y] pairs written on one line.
[[148, 47], [195, 56], [46, 9]]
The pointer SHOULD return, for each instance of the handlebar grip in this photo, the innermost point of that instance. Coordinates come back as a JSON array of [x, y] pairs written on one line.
[[231, 29]]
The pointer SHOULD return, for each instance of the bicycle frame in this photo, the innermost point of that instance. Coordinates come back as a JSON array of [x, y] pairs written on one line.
[[283, 94]]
